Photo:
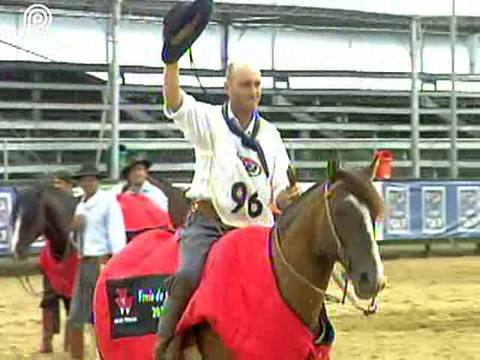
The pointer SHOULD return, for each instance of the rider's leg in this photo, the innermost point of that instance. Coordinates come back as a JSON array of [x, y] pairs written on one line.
[[196, 240]]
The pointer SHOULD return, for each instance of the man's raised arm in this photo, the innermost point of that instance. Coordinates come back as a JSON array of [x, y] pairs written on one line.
[[171, 87]]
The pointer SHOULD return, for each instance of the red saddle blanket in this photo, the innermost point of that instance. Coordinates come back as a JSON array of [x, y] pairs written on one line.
[[60, 273], [129, 296], [237, 296], [140, 212]]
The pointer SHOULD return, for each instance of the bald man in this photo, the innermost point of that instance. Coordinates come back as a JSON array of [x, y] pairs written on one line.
[[240, 175]]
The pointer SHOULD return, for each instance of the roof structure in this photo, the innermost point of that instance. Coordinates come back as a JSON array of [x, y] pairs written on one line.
[[259, 15]]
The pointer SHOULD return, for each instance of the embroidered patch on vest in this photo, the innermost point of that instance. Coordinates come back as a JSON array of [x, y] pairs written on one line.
[[252, 167]]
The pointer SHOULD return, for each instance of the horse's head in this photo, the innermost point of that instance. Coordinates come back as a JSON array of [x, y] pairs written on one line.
[[37, 211], [352, 204], [27, 220]]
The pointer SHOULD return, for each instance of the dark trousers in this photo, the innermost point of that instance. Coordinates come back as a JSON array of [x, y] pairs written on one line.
[[51, 302], [197, 238], [82, 301]]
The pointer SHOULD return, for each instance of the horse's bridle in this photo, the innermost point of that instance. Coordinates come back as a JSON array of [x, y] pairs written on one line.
[[341, 255]]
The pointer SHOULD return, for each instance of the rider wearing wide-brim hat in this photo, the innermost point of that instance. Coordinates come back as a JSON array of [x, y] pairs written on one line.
[[62, 180], [136, 173], [89, 169], [101, 234], [133, 162]]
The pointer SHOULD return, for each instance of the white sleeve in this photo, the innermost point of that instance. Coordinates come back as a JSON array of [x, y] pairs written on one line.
[[116, 227], [80, 209], [160, 198], [282, 162], [193, 118], [163, 202]]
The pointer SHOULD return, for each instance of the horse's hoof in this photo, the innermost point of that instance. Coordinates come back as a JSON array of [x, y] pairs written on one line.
[[45, 350]]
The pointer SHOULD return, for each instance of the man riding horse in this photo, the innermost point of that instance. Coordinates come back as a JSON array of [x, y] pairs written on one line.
[[136, 174], [241, 161], [140, 192]]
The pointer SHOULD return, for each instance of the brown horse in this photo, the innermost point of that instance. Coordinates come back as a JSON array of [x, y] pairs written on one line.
[[330, 222], [324, 226], [40, 210]]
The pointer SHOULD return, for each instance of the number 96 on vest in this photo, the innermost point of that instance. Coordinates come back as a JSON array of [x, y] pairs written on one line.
[[241, 198]]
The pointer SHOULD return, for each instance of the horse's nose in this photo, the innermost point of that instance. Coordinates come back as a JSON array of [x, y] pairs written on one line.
[[369, 285], [364, 280]]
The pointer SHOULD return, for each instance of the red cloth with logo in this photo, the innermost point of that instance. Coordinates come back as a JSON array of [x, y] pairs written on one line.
[[60, 273], [239, 298], [140, 212], [152, 253]]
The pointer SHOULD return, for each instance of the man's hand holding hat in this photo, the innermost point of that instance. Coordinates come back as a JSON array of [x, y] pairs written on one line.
[[183, 24]]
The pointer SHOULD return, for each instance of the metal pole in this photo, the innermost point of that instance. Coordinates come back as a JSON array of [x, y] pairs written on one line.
[[273, 43], [5, 159], [414, 102], [224, 47], [453, 98], [472, 53], [105, 97], [115, 91]]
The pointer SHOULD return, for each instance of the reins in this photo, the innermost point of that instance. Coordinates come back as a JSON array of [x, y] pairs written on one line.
[[341, 256]]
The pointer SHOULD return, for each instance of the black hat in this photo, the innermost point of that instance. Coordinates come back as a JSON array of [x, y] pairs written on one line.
[[192, 17], [89, 169], [63, 175], [134, 161]]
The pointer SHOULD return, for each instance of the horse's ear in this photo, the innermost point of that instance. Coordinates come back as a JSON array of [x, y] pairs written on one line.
[[372, 169], [292, 175], [332, 168]]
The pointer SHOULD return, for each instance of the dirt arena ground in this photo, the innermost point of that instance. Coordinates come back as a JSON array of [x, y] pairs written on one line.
[[430, 310]]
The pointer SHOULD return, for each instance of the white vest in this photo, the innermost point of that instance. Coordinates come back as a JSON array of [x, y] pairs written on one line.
[[241, 192]]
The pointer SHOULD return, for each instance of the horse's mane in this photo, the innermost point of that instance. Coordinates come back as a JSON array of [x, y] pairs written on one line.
[[178, 204], [355, 181], [25, 199]]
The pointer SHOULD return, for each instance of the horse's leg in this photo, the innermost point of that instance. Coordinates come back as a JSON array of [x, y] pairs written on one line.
[[66, 335], [190, 348], [210, 345]]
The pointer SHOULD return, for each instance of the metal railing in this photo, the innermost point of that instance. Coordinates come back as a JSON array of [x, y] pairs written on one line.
[[76, 146], [317, 123]]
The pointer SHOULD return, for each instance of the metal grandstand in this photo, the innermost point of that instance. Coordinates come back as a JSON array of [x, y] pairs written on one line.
[[51, 114]]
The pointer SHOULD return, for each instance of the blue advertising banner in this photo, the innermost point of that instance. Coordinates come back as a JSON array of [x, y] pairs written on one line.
[[7, 197], [431, 209], [413, 210]]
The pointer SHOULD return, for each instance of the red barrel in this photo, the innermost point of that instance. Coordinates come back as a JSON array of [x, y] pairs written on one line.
[[384, 170]]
